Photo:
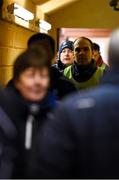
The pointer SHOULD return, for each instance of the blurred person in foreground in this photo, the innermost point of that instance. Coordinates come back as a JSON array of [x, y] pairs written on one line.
[[65, 56], [25, 104], [60, 85], [82, 139], [83, 72]]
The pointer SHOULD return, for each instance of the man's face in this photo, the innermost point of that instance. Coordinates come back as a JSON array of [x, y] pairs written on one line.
[[96, 54], [33, 83], [82, 52], [67, 56]]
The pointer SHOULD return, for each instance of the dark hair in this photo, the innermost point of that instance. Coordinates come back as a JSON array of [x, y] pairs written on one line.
[[96, 47], [1, 4], [42, 36], [91, 43], [30, 58]]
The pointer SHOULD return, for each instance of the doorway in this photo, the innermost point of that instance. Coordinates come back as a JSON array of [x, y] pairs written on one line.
[[99, 36]]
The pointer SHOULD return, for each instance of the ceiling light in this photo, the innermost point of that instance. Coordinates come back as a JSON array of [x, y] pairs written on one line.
[[44, 25], [20, 12]]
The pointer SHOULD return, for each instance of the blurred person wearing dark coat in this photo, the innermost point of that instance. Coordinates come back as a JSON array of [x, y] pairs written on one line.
[[25, 104]]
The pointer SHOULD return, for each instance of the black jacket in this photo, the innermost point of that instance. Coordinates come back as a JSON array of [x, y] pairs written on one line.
[[82, 139], [18, 110], [60, 85], [59, 66], [8, 153]]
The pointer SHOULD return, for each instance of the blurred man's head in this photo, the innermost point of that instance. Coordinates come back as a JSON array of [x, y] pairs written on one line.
[[83, 50], [114, 49], [45, 41], [1, 4], [96, 51], [31, 75], [66, 54]]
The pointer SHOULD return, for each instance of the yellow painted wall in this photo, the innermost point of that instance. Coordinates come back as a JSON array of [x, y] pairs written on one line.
[[13, 40], [85, 14]]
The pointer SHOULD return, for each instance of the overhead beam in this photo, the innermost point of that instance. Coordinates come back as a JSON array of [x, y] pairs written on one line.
[[54, 5], [39, 2]]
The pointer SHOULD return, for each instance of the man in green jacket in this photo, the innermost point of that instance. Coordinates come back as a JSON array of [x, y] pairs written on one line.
[[84, 73]]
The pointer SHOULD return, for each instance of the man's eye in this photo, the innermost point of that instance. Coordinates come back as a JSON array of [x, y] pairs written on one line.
[[77, 50]]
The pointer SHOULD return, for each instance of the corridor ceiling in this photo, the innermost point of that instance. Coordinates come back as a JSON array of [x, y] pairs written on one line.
[[49, 6]]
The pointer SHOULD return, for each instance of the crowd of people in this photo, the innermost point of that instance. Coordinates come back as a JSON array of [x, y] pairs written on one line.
[[61, 120]]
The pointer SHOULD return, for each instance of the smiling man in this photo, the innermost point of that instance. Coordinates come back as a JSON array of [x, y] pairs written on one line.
[[83, 73]]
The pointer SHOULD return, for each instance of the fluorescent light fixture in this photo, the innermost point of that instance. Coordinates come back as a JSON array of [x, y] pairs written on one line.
[[21, 12], [44, 25]]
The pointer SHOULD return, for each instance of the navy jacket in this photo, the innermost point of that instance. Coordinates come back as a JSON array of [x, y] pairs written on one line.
[[8, 153], [14, 113], [59, 66], [60, 85], [82, 139]]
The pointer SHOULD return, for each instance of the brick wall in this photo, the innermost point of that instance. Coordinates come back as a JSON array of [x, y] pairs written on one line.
[[13, 40]]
